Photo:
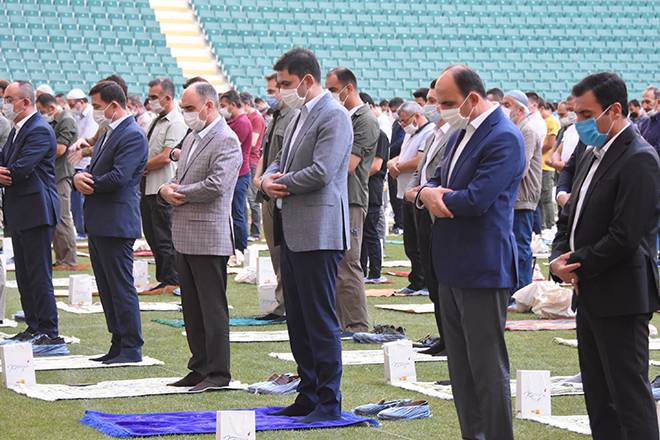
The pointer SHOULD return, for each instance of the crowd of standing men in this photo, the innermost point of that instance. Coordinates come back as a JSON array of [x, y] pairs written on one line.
[[471, 176]]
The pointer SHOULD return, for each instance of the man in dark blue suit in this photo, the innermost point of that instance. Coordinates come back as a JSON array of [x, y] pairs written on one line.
[[31, 209], [606, 247], [112, 217], [474, 251]]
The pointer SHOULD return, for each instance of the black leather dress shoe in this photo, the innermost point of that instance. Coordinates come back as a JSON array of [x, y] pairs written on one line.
[[189, 380], [436, 349], [207, 385], [124, 359]]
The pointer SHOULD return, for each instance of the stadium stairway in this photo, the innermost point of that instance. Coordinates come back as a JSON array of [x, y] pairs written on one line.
[[189, 46]]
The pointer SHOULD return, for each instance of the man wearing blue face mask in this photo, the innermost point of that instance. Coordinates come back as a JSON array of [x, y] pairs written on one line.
[[607, 251]]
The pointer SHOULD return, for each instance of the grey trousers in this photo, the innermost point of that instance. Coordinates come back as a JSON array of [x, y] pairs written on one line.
[[473, 328], [255, 207], [351, 297], [268, 209], [547, 201], [64, 239]]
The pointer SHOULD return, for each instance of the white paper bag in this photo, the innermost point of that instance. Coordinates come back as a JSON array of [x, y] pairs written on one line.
[[17, 364], [141, 274], [399, 363], [533, 393], [8, 250], [80, 290], [235, 425], [265, 271], [267, 298]]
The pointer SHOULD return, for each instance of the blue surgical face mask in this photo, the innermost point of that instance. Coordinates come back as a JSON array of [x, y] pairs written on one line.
[[272, 102], [589, 133]]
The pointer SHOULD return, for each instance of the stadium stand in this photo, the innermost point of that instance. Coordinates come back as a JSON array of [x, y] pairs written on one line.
[[73, 43]]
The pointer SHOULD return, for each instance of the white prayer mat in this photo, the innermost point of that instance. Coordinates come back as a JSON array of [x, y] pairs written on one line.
[[234, 270], [654, 343], [444, 392], [84, 362], [579, 424], [365, 357], [97, 308], [67, 339], [6, 323], [396, 263], [109, 389], [274, 336], [407, 308], [57, 282]]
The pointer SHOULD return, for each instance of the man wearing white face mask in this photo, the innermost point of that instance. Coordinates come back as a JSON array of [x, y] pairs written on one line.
[[417, 129], [165, 132], [5, 125], [112, 217], [472, 196], [515, 104]]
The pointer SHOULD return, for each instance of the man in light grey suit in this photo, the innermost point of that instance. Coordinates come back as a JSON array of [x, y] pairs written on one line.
[[309, 182], [201, 194]]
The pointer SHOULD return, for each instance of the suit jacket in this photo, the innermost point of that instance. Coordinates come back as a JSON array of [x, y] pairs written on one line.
[[31, 200], [117, 165], [315, 215], [615, 237], [565, 181], [439, 153], [477, 249], [203, 225]]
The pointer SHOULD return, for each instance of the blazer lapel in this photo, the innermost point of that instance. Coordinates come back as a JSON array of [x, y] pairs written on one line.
[[286, 143], [19, 138], [311, 117], [205, 142], [449, 155], [109, 141]]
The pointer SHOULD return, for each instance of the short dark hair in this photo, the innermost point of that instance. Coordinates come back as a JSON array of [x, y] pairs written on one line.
[[233, 97], [496, 92], [432, 85], [607, 87], [258, 100], [395, 102], [246, 98], [421, 92], [109, 91], [344, 76], [46, 99], [546, 105], [634, 102], [534, 97], [193, 80], [365, 97], [300, 62], [165, 84], [271, 77], [466, 79], [135, 100], [384, 102], [119, 81], [60, 95], [4, 84]]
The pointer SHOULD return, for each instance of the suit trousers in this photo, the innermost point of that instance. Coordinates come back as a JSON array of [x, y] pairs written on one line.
[[424, 229], [309, 285], [206, 314], [268, 208], [371, 254], [34, 276], [392, 187], [157, 227], [473, 329], [523, 220], [255, 206], [112, 262], [238, 208], [411, 246], [77, 200], [614, 361], [64, 240], [351, 297]]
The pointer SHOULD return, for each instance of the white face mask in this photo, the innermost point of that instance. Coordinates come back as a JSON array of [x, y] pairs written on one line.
[[48, 118], [224, 111], [8, 110], [337, 96], [507, 112], [155, 106], [99, 117], [431, 113], [453, 116], [291, 97], [193, 121], [410, 129]]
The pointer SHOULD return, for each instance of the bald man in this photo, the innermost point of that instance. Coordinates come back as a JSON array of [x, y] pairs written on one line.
[[472, 196]]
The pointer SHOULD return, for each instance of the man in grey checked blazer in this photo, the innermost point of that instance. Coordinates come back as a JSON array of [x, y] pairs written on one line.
[[201, 194], [309, 182]]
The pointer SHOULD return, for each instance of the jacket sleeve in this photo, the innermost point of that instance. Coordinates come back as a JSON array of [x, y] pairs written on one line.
[[333, 143], [130, 158], [224, 165], [502, 162], [38, 144], [635, 213]]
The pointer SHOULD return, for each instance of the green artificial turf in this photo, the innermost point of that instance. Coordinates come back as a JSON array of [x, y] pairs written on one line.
[[22, 418]]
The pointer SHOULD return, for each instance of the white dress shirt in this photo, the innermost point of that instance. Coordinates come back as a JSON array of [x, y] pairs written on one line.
[[411, 146], [200, 136], [469, 131], [569, 141], [440, 133], [87, 127], [21, 123], [352, 111], [600, 154]]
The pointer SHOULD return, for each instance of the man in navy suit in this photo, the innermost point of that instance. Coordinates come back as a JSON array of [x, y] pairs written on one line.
[[31, 209], [112, 217], [474, 251], [606, 248]]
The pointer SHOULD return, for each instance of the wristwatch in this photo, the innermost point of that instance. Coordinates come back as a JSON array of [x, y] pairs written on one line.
[[172, 157]]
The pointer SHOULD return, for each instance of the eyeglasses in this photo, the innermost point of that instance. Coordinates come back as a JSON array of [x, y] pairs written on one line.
[[403, 124]]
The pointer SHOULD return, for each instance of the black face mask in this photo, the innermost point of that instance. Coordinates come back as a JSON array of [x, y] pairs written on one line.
[[634, 115]]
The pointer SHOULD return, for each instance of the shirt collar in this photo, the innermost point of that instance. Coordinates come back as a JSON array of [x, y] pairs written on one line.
[[310, 105], [22, 122], [476, 123], [171, 115], [87, 110], [209, 127], [115, 124], [354, 110], [444, 129], [599, 153]]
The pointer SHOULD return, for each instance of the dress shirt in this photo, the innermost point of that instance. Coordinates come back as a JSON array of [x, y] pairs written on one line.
[[352, 111], [200, 136], [439, 135], [87, 128], [411, 146], [469, 131], [599, 154]]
